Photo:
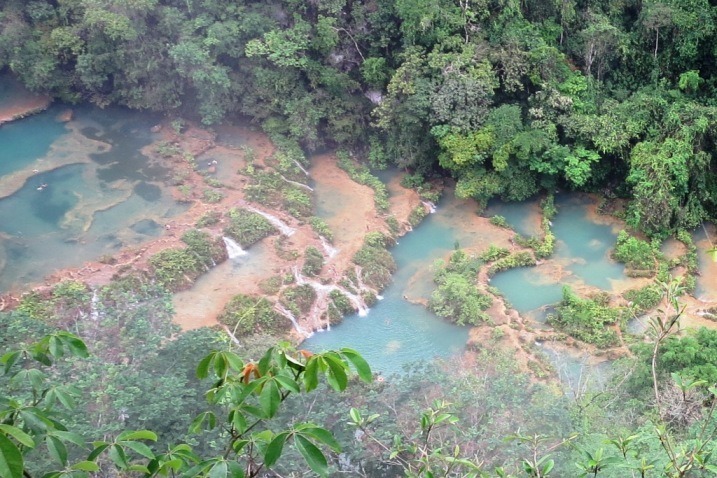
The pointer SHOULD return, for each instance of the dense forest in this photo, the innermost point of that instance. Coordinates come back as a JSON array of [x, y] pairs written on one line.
[[508, 97]]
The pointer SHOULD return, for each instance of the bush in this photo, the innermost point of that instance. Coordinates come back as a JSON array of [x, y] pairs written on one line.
[[313, 261], [362, 175], [644, 298], [499, 221], [376, 262], [457, 298], [247, 227], [493, 253], [519, 259], [211, 218], [417, 215], [321, 228], [175, 268], [211, 196], [251, 314], [635, 253], [208, 250], [587, 319], [298, 299]]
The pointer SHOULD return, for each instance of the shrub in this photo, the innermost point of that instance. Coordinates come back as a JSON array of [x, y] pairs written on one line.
[[175, 268], [362, 175], [457, 298], [519, 259], [208, 250], [587, 319], [499, 221], [493, 253], [251, 314], [209, 219], [635, 253], [321, 228], [417, 215], [298, 299], [376, 262], [247, 227], [644, 298], [313, 261]]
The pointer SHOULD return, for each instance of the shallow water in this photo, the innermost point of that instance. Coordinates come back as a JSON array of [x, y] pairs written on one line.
[[529, 290], [397, 332], [583, 245], [111, 197], [523, 217]]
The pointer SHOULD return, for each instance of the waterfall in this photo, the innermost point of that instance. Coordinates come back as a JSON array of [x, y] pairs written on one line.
[[301, 185], [430, 206], [287, 313], [301, 167], [234, 250], [283, 227], [328, 248], [94, 310], [323, 291]]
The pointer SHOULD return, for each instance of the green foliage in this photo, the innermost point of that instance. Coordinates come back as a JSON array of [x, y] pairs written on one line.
[[176, 269], [417, 215], [313, 261], [211, 196], [457, 298], [63, 304], [362, 175], [210, 218], [375, 260], [247, 227], [645, 298], [500, 221], [588, 319], [298, 299], [246, 315], [519, 259], [493, 253], [321, 228], [638, 255]]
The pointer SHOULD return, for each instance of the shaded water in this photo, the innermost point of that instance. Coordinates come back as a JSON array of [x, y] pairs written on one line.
[[99, 195], [529, 290], [523, 217]]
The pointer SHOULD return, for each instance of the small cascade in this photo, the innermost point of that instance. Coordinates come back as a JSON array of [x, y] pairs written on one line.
[[328, 248], [430, 206], [287, 313], [301, 185], [323, 291], [94, 309], [301, 167], [234, 250], [278, 223]]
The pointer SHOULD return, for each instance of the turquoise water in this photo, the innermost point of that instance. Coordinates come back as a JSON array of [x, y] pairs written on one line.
[[583, 244], [520, 215], [582, 249], [112, 198], [528, 290], [22, 142], [397, 332]]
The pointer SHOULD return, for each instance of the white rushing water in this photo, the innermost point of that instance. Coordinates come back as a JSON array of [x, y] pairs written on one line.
[[430, 206], [330, 250], [287, 313], [295, 183], [323, 291], [278, 223], [234, 250]]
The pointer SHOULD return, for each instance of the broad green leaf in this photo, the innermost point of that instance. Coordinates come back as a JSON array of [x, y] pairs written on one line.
[[118, 457], [99, 448], [270, 398], [203, 367], [313, 456], [337, 373], [235, 470], [138, 435], [140, 448], [85, 466], [311, 374], [74, 438], [219, 470], [75, 344], [273, 451], [355, 416], [197, 424], [322, 435], [10, 359], [19, 435], [362, 367], [11, 464], [288, 383], [57, 449]]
